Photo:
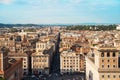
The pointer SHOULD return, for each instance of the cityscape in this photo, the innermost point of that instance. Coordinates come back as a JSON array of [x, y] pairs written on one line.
[[59, 40], [60, 53]]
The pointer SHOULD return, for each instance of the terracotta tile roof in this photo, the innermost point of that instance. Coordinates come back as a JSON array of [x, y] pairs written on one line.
[[1, 72]]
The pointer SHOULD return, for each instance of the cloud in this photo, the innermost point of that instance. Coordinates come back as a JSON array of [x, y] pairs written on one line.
[[6, 1]]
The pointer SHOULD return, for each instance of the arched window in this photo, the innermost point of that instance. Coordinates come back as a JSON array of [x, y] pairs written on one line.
[[108, 54], [102, 54], [113, 54]]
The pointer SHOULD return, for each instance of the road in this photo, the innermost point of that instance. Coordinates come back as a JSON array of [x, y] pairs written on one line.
[[55, 67]]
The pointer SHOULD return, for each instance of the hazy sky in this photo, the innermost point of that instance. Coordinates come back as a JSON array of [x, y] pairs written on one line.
[[59, 11]]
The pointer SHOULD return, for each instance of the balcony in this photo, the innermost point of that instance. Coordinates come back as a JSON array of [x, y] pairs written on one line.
[[109, 70]]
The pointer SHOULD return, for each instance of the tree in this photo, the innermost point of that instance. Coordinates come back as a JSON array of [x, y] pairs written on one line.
[[13, 30], [1, 78], [92, 27]]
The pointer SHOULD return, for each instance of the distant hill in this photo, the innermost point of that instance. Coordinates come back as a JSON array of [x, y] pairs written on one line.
[[42, 25], [17, 25]]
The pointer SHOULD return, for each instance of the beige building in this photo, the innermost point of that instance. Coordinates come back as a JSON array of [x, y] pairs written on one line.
[[42, 58], [70, 62], [40, 63], [105, 65]]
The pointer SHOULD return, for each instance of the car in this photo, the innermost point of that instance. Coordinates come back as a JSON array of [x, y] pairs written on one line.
[[49, 75], [56, 74], [44, 78], [33, 76], [40, 76]]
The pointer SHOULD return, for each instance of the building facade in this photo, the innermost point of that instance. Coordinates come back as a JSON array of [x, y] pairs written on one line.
[[105, 65], [70, 62], [42, 58], [24, 62], [10, 69], [40, 63]]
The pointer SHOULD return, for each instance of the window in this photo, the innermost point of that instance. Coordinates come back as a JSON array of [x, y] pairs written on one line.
[[37, 46], [15, 74], [119, 62], [102, 60], [113, 66], [108, 76], [24, 59], [102, 54], [108, 54], [113, 54], [102, 76], [113, 60], [102, 66], [25, 66], [108, 66], [114, 76]]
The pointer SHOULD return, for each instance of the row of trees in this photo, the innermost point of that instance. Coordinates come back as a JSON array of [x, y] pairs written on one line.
[[92, 27]]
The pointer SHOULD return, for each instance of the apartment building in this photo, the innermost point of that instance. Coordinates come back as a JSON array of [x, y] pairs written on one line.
[[24, 62], [104, 65], [70, 62], [40, 63], [7, 41], [42, 58], [10, 68]]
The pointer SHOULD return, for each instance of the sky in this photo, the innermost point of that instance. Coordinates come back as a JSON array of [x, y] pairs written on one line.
[[59, 11]]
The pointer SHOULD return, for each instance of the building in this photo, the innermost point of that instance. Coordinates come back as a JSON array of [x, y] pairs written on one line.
[[70, 62], [72, 59], [42, 58], [40, 63], [24, 62], [118, 27], [10, 69], [104, 65]]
